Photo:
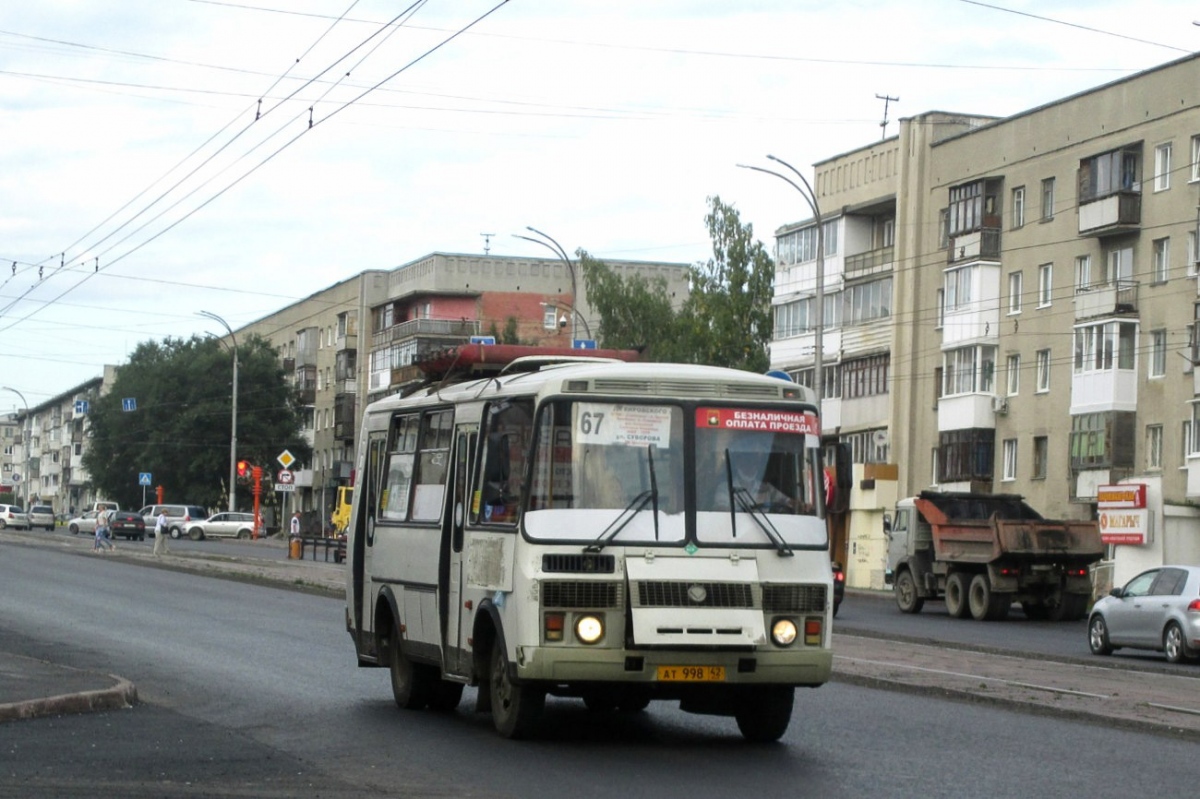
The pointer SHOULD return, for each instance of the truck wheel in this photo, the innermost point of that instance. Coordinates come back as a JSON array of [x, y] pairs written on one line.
[[515, 707], [445, 695], [1070, 607], [986, 604], [764, 712], [956, 595], [1098, 636], [907, 598]]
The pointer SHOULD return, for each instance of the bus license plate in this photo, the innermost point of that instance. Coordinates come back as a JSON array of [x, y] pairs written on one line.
[[691, 674]]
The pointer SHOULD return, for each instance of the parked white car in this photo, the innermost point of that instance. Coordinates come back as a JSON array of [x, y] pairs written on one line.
[[223, 525], [13, 516]]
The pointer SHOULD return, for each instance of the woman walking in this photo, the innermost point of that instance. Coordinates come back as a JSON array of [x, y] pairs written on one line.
[[103, 542]]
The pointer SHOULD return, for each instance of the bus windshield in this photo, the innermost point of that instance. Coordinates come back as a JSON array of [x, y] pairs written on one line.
[[613, 473]]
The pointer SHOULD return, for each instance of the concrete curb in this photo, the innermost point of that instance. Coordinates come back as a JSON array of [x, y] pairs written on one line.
[[122, 694]]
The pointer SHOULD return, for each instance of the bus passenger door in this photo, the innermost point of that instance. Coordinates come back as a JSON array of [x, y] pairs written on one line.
[[456, 659]]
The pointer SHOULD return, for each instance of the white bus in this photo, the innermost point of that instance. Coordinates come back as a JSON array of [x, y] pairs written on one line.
[[618, 532]]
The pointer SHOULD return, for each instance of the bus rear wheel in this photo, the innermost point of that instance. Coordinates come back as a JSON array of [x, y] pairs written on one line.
[[515, 707], [764, 712]]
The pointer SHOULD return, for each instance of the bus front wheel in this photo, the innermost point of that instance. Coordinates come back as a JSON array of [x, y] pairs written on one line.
[[515, 707], [764, 712], [411, 683]]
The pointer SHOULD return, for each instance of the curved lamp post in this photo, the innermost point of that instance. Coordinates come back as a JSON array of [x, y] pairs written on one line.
[[24, 442], [550, 244], [233, 421], [810, 197]]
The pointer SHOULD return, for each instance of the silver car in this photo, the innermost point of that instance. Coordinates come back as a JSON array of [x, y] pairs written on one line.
[[1159, 609], [41, 516], [223, 525]]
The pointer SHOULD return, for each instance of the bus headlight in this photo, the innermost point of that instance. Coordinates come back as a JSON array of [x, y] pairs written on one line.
[[590, 628], [783, 632]]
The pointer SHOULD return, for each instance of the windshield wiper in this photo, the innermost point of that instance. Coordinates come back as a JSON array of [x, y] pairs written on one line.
[[622, 520], [635, 505], [748, 505]]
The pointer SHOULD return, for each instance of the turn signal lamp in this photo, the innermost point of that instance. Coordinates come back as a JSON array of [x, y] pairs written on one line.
[[554, 626], [812, 631]]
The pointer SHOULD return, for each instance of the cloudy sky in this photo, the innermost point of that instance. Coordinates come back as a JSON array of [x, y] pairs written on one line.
[[164, 157]]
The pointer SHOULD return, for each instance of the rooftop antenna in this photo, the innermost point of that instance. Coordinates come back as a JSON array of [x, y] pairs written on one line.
[[883, 125], [487, 242]]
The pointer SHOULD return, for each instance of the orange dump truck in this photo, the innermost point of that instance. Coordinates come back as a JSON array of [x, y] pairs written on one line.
[[980, 553]]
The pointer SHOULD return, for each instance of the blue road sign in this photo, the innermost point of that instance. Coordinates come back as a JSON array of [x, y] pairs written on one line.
[[483, 339], [129, 404], [584, 344], [143, 478]]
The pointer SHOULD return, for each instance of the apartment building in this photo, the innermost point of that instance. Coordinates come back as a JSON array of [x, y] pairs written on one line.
[[359, 339], [44, 444], [1043, 289]]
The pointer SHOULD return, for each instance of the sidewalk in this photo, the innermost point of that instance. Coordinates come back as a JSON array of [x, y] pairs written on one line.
[[1151, 701]]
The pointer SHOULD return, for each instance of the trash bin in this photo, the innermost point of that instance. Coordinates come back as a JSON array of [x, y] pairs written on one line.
[[295, 548]]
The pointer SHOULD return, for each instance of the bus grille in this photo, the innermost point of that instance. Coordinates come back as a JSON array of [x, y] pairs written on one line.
[[793, 598], [660, 594], [579, 564], [581, 594]]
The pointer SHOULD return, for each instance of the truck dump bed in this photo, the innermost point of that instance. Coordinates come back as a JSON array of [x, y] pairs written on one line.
[[981, 528]]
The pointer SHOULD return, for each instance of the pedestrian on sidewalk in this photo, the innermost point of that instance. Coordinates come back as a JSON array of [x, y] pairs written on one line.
[[295, 524], [160, 533], [102, 543]]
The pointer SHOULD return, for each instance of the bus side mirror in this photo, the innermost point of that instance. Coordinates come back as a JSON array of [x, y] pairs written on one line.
[[887, 526]]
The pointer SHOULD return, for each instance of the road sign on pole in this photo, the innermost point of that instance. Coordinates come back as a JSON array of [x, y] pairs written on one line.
[[144, 479], [286, 459]]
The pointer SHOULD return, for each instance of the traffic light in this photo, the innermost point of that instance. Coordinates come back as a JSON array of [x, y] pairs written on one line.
[[243, 468]]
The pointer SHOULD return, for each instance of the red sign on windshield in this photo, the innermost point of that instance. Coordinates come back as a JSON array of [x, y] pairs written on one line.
[[765, 421]]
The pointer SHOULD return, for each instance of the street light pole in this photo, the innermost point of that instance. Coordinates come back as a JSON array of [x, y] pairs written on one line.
[[233, 420], [24, 443], [810, 197], [552, 245]]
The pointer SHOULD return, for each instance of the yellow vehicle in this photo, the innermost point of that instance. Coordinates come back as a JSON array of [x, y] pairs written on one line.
[[341, 510]]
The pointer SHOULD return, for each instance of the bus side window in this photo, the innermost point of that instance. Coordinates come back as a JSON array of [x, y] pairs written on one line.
[[506, 441]]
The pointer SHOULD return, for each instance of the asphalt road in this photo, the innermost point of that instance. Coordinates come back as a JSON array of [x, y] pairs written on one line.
[[249, 690]]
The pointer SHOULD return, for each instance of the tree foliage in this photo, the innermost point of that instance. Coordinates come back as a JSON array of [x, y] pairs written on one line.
[[180, 429], [726, 319]]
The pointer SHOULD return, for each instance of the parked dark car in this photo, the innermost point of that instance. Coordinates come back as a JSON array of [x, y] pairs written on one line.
[[839, 585], [127, 524]]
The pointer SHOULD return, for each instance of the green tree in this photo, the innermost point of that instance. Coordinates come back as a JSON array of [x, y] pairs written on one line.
[[179, 431], [729, 307], [726, 318]]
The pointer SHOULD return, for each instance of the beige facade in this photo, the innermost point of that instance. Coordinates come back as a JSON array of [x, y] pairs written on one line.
[[357, 340], [1043, 291]]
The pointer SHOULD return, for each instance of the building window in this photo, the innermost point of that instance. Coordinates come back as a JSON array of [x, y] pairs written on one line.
[[958, 287], [1014, 375], [865, 377], [1045, 280], [1014, 293], [941, 309], [550, 318], [1191, 253], [1154, 441], [1047, 199], [1162, 167], [969, 370], [1162, 260], [944, 228], [1083, 272], [1096, 345], [966, 455], [1041, 453], [1018, 207], [1010, 459], [1196, 158], [867, 302], [1043, 371], [1158, 353], [1118, 265], [791, 319]]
